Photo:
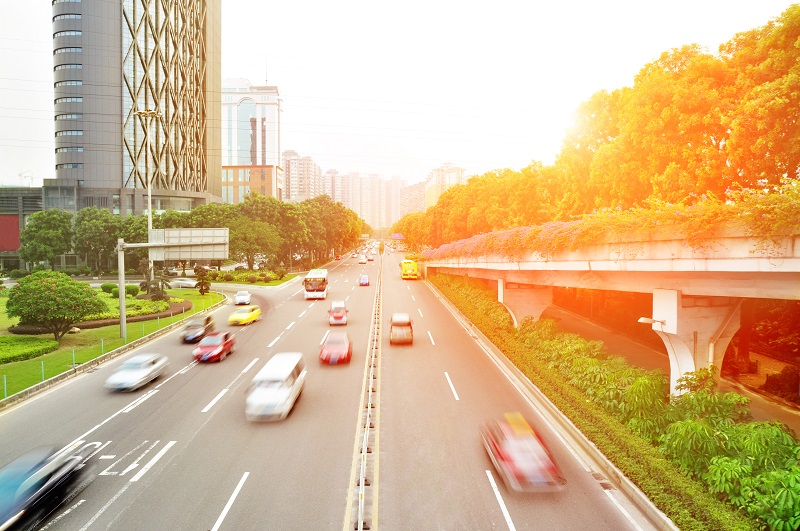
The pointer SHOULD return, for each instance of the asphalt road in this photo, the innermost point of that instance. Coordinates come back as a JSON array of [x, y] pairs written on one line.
[[179, 454]]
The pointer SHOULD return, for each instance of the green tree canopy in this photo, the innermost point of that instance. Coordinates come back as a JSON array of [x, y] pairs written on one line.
[[96, 234], [46, 235], [52, 300]]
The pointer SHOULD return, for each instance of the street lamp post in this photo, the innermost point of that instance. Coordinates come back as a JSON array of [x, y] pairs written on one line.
[[147, 114]]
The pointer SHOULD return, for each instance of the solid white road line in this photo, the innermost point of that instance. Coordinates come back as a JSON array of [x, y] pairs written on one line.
[[230, 502], [153, 461], [451, 385], [139, 400], [430, 336], [216, 399], [500, 501]]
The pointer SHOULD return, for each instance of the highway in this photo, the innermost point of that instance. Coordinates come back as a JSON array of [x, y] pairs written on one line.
[[179, 454]]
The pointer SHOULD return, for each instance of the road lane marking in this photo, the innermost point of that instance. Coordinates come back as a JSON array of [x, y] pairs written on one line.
[[216, 399], [451, 385], [500, 501], [153, 461], [105, 507], [622, 510], [274, 341], [63, 514], [297, 292], [420, 312], [290, 325], [302, 313], [107, 471], [249, 365], [430, 336], [230, 502], [130, 407], [413, 298], [323, 337]]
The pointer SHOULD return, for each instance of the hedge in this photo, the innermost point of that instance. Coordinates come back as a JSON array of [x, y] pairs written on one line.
[[15, 348]]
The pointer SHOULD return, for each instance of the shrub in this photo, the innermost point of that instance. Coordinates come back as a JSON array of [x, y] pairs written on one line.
[[213, 274], [159, 295], [785, 384], [107, 287], [115, 292], [19, 273], [131, 290], [252, 279], [280, 273], [228, 277], [24, 348]]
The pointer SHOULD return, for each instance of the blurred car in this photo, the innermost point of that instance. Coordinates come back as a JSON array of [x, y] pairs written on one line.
[[353, 255], [214, 347], [136, 372], [363, 280], [183, 282], [240, 268], [338, 257], [245, 315], [371, 258], [276, 387], [337, 314], [170, 272], [337, 348], [36, 484], [196, 329], [520, 455], [241, 297], [362, 259], [401, 329]]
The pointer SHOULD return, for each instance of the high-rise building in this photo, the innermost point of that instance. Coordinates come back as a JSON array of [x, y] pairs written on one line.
[[412, 199], [303, 177], [251, 141], [440, 180], [137, 104]]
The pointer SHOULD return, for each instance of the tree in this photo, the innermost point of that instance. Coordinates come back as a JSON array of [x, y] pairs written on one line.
[[52, 300], [96, 234], [249, 239], [47, 235]]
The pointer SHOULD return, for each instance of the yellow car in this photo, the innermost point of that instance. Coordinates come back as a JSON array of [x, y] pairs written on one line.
[[245, 315]]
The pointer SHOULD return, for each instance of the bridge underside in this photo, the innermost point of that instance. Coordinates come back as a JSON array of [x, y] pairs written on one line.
[[695, 327]]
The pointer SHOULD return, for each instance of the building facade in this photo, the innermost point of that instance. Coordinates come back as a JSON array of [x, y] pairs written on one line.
[[251, 140], [440, 180], [137, 103], [303, 177]]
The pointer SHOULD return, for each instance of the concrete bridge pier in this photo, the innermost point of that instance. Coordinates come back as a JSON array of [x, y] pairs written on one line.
[[695, 329], [523, 300]]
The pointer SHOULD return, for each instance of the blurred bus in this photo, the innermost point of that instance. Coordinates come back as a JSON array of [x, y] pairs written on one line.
[[315, 285], [409, 270]]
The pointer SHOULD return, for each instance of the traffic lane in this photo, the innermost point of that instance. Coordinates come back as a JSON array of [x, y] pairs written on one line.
[[315, 441], [478, 392]]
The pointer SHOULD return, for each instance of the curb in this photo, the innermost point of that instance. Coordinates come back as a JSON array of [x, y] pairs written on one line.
[[91, 364], [642, 502]]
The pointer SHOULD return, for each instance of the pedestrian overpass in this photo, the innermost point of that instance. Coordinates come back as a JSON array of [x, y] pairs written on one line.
[[697, 290]]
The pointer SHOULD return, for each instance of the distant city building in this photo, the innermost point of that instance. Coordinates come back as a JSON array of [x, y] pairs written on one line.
[[137, 100], [412, 199], [303, 177], [440, 180], [16, 205], [251, 141]]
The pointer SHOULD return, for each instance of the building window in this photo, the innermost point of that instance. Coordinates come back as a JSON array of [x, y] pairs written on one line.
[[69, 133], [70, 116], [68, 100], [69, 150], [71, 82], [67, 16], [68, 49], [70, 166], [68, 67], [68, 33]]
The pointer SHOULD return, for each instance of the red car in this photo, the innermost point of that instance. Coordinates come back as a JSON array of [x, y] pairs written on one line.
[[337, 348], [214, 347], [520, 455]]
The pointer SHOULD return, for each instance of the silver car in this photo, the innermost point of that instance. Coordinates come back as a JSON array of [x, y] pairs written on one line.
[[136, 372], [241, 297], [183, 282]]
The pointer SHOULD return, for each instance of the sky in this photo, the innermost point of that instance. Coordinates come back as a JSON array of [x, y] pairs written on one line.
[[399, 89]]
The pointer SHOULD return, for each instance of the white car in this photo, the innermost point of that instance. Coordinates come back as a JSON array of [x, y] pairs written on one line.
[[241, 297], [183, 282], [136, 372]]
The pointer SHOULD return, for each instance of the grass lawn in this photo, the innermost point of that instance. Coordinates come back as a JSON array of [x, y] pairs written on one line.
[[86, 345]]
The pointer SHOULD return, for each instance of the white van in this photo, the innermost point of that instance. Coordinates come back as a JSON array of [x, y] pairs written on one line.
[[275, 388]]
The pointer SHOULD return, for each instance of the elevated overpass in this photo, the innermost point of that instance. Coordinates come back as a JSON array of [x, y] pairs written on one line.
[[697, 290]]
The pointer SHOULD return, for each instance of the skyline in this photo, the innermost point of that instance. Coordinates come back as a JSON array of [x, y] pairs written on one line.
[[480, 90]]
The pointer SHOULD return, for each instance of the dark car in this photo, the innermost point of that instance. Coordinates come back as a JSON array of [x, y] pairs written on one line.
[[36, 484], [214, 347], [197, 329]]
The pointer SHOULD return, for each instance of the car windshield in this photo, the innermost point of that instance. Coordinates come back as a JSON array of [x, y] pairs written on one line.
[[242, 294], [194, 324], [211, 340], [244, 310], [334, 341], [135, 364]]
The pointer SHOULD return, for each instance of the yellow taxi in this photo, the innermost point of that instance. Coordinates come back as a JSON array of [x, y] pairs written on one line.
[[245, 315]]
